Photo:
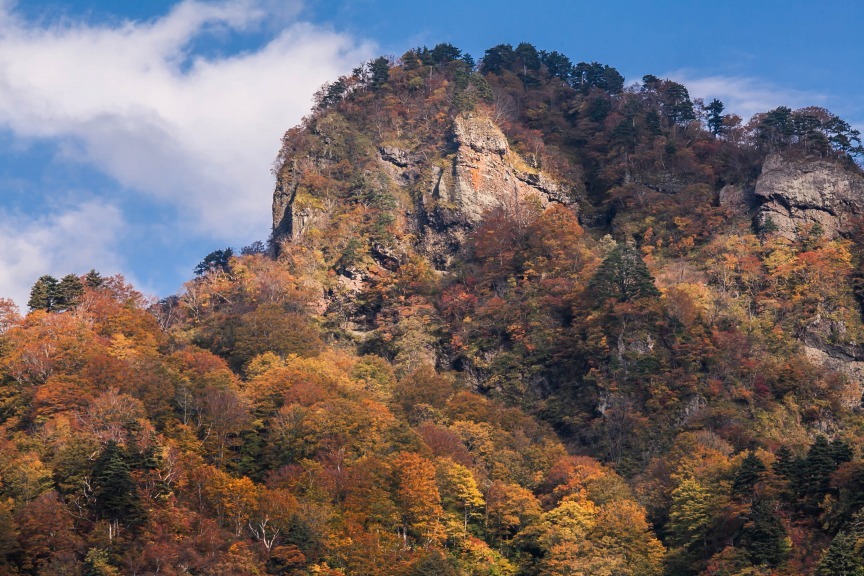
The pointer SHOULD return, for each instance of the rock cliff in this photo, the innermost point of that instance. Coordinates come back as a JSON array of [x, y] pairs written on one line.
[[451, 192], [457, 191], [800, 194]]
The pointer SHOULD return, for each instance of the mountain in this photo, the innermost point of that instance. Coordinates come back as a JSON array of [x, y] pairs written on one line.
[[514, 318]]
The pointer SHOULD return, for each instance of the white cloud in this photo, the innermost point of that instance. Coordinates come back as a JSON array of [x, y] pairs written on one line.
[[196, 133], [743, 95], [71, 241]]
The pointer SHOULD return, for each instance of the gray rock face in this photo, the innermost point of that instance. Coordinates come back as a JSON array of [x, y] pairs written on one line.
[[836, 354], [733, 196], [283, 200], [397, 156], [799, 194]]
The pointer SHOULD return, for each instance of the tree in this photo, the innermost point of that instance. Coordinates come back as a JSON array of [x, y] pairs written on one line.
[[622, 531], [218, 260], [459, 489], [814, 475], [114, 489], [844, 557], [509, 509], [256, 247], [557, 65], [379, 72], [9, 314], [691, 514], [784, 465], [46, 528], [715, 116], [8, 532], [432, 563], [70, 291], [332, 93], [764, 536], [497, 59], [444, 52], [93, 279], [270, 328], [596, 75], [417, 496], [624, 276], [676, 103], [748, 474], [43, 295], [98, 563]]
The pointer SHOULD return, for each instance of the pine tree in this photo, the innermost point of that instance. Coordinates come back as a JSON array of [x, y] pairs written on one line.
[[764, 536], [676, 103], [93, 279], [114, 488], [216, 260], [379, 72], [841, 451], [624, 276], [748, 475], [843, 557], [785, 465], [69, 292], [43, 295], [814, 480], [715, 116]]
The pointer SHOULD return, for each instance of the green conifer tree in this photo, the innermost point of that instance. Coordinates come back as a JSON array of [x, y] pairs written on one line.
[[43, 295], [814, 480], [764, 536], [715, 116], [114, 488], [785, 465], [845, 557], [624, 276], [747, 476], [93, 279], [69, 292], [379, 72]]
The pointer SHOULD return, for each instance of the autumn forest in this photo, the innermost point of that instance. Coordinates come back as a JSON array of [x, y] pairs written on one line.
[[516, 317]]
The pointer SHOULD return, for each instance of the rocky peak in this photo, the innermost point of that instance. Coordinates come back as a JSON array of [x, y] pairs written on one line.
[[800, 193]]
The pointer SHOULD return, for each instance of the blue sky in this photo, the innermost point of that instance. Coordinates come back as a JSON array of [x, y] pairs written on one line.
[[136, 137]]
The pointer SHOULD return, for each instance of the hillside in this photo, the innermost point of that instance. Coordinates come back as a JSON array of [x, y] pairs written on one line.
[[516, 317]]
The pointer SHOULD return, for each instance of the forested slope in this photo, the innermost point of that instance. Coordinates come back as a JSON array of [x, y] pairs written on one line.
[[515, 318]]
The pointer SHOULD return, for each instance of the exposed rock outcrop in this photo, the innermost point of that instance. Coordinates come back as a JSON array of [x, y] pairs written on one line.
[[735, 197], [457, 191], [485, 175], [287, 182], [824, 345], [800, 193], [452, 192]]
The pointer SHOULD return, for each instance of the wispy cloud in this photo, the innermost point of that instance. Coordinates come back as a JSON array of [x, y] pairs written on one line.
[[58, 243], [197, 132], [743, 95], [137, 100]]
